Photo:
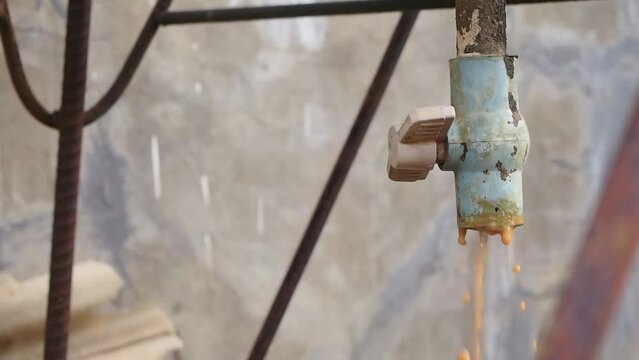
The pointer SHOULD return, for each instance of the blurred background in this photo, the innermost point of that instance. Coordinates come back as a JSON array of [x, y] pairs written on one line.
[[245, 121]]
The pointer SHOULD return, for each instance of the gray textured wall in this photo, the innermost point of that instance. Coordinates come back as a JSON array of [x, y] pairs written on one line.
[[258, 111]]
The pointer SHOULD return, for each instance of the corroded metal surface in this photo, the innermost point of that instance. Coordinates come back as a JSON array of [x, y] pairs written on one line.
[[598, 277], [481, 27], [67, 179], [313, 9], [487, 144]]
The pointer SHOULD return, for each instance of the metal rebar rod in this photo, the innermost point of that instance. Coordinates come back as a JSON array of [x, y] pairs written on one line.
[[16, 70], [298, 10], [161, 16], [130, 65], [314, 9], [601, 267], [333, 186], [71, 122]]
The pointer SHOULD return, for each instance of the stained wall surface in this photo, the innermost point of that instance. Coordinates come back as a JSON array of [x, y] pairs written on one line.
[[247, 119]]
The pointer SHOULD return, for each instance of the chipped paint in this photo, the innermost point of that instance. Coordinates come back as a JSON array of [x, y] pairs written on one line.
[[468, 36], [463, 155], [512, 104], [483, 144]]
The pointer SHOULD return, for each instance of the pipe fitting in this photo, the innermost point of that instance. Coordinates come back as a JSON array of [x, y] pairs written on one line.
[[482, 139], [487, 145]]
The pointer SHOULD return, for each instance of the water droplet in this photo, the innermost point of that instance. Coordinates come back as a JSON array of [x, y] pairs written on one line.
[[462, 236], [522, 306], [506, 235], [463, 355], [466, 297]]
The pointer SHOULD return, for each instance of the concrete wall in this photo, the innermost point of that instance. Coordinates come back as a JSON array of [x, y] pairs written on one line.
[[257, 112]]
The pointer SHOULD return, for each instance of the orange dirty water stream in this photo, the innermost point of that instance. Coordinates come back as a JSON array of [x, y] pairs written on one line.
[[506, 233], [478, 290], [463, 355]]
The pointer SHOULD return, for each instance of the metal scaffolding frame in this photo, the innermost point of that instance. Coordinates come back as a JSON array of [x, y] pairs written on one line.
[[580, 321]]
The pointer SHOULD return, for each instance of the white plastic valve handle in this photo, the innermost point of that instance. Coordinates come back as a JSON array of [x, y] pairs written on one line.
[[412, 151]]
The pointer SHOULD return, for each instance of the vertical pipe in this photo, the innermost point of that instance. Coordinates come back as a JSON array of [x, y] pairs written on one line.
[[481, 27], [67, 178], [334, 185]]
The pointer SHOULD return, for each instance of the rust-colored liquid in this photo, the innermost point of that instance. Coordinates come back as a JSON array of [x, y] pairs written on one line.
[[516, 269], [506, 233], [466, 297], [462, 236], [463, 355], [522, 306], [478, 291]]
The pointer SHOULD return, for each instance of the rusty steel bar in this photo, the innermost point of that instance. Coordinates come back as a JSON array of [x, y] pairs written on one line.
[[333, 186], [67, 178], [130, 65], [313, 9], [602, 265], [298, 10], [16, 70]]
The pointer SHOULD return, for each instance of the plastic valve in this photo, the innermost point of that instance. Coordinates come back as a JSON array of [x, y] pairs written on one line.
[[412, 151]]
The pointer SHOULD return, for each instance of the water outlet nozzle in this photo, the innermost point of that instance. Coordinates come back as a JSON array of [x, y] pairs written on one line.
[[482, 138]]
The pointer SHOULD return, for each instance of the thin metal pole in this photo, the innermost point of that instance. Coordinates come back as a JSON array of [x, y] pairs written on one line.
[[130, 65], [334, 185], [313, 9], [601, 267], [16, 70], [67, 178], [299, 10]]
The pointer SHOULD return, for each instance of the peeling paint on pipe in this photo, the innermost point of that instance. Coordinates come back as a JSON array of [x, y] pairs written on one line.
[[481, 27], [487, 144]]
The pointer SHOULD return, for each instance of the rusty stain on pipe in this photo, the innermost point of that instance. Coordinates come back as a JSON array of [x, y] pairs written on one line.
[[16, 70], [601, 267], [70, 124]]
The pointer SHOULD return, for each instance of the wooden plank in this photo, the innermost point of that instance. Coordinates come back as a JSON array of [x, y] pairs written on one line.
[[152, 349], [92, 335], [24, 306]]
